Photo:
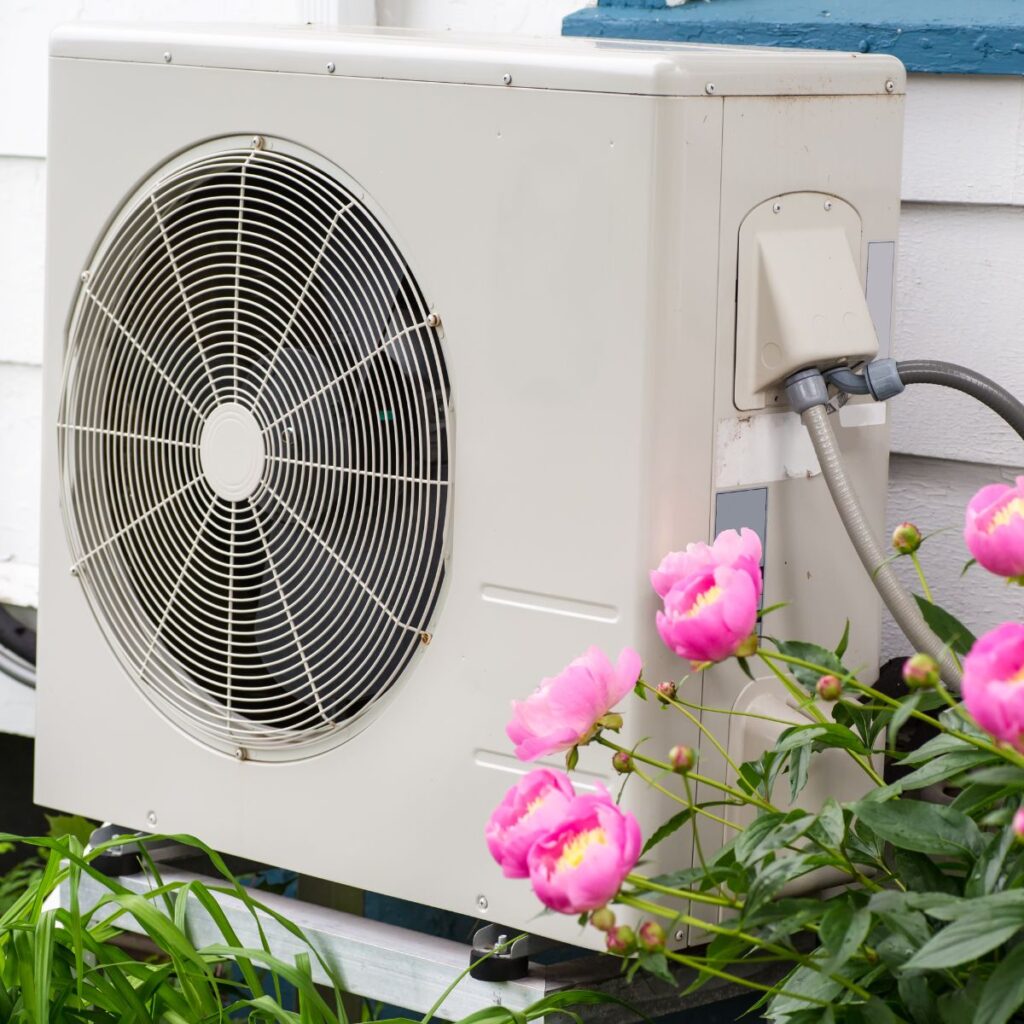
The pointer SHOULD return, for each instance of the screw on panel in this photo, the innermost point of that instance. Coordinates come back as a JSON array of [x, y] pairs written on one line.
[[331, 67], [151, 818], [776, 207], [257, 142], [890, 86], [433, 320], [506, 78], [425, 638], [167, 56], [481, 903], [828, 205], [240, 754], [680, 935], [710, 88], [84, 276], [74, 570]]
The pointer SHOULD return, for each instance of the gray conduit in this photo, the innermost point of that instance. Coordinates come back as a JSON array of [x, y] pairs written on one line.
[[903, 607]]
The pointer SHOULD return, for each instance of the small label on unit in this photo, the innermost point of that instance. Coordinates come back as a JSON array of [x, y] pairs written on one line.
[[760, 449]]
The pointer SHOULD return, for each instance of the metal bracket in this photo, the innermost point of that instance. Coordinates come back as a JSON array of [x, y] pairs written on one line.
[[507, 963]]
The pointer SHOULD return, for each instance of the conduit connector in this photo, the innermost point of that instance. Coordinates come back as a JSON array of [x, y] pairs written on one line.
[[805, 389], [881, 380]]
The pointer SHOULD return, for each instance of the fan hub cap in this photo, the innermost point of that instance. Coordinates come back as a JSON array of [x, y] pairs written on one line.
[[232, 451]]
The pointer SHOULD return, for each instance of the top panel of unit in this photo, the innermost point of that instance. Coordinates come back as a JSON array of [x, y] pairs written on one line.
[[587, 65]]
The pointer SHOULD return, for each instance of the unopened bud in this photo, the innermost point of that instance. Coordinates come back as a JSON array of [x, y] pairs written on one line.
[[906, 538], [651, 937], [921, 672], [1018, 825], [682, 758], [603, 919], [621, 940], [622, 762], [829, 688], [748, 648], [667, 691]]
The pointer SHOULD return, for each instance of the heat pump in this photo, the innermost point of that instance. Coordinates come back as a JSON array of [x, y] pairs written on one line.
[[381, 368]]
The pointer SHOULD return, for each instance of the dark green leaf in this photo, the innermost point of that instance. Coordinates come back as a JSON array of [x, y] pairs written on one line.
[[824, 660], [941, 744], [926, 828], [1003, 993], [823, 734], [844, 641], [918, 998], [921, 874], [943, 767], [843, 928], [745, 668], [987, 868], [657, 964], [999, 775], [967, 565], [968, 938], [799, 763], [949, 629], [672, 825], [899, 717]]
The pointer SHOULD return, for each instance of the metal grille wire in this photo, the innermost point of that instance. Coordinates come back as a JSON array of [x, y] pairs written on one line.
[[253, 277]]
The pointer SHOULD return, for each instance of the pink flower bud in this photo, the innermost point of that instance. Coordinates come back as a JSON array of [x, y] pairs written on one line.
[[621, 940], [906, 538], [829, 688], [667, 691], [651, 937], [1018, 825], [682, 758], [603, 919], [921, 672], [622, 762]]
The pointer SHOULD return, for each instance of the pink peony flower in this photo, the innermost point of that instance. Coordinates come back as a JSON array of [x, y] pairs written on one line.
[[532, 807], [736, 550], [993, 683], [710, 614], [580, 864], [563, 711], [994, 528]]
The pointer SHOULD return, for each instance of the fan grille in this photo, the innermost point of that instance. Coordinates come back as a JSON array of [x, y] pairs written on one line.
[[254, 441]]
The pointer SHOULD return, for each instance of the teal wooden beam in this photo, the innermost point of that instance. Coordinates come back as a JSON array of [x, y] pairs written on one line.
[[983, 37]]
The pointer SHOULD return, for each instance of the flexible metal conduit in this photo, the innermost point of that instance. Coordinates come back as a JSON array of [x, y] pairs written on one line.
[[959, 378], [903, 607]]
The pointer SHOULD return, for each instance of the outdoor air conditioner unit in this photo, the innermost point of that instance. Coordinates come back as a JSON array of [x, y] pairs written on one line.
[[380, 369]]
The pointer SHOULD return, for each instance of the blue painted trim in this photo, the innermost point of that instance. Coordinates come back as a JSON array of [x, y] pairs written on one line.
[[984, 37]]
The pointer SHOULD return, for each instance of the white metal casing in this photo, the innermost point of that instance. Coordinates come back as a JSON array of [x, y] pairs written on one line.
[[577, 232]]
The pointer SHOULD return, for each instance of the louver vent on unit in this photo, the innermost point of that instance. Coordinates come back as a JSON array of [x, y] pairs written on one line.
[[254, 448]]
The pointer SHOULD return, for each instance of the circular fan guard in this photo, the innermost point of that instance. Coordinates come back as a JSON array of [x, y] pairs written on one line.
[[254, 449]]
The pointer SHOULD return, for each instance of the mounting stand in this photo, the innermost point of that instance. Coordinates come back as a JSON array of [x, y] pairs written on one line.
[[382, 962]]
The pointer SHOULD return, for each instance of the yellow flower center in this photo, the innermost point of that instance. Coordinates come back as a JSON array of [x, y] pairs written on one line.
[[533, 805], [1012, 509], [576, 849], [710, 596], [1018, 676]]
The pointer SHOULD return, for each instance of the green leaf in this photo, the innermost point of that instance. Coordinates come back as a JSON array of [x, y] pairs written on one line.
[[572, 757], [824, 660], [799, 764], [943, 767], [829, 823], [926, 828], [657, 964], [844, 641], [672, 825], [987, 868], [921, 874], [899, 717], [1003, 993], [843, 928], [941, 744], [918, 998], [825, 734], [744, 665], [969, 938], [640, 689], [998, 775], [967, 565], [949, 629]]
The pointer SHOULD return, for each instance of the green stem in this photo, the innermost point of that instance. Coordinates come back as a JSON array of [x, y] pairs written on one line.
[[920, 576], [717, 929], [684, 894], [654, 784], [704, 730], [798, 695], [713, 783]]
